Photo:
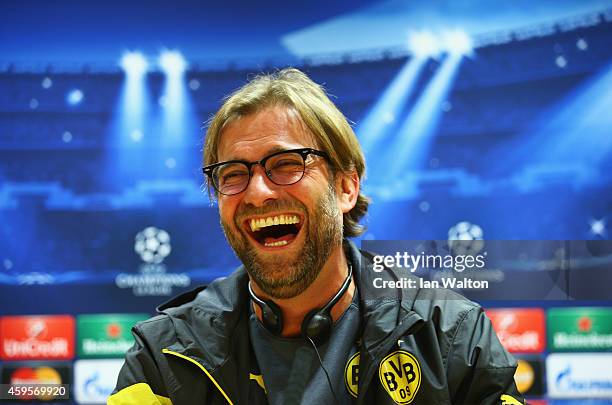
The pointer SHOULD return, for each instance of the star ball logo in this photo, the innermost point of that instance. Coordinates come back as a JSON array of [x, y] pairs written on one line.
[[153, 246], [466, 238]]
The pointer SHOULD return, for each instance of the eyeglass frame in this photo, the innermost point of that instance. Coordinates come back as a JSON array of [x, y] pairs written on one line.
[[303, 152]]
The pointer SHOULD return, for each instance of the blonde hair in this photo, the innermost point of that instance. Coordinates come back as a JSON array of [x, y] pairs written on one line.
[[292, 88]]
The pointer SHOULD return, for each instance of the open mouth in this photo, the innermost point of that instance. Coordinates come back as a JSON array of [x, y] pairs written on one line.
[[276, 230]]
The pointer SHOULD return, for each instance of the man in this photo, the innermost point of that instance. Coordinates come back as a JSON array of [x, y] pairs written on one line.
[[298, 323]]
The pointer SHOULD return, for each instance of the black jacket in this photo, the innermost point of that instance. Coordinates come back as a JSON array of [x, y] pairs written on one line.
[[417, 346]]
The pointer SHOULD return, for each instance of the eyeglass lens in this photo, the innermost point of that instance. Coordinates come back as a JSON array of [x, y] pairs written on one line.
[[282, 169]]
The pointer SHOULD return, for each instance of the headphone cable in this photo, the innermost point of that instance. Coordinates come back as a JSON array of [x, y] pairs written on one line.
[[324, 370]]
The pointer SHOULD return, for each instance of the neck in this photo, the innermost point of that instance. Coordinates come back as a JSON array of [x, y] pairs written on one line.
[[319, 293]]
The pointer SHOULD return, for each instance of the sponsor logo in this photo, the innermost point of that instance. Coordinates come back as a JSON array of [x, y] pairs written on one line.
[[106, 335], [153, 246], [39, 375], [587, 375], [400, 375], [524, 376], [529, 376], [37, 337], [36, 372], [94, 380], [519, 330], [351, 374], [588, 329]]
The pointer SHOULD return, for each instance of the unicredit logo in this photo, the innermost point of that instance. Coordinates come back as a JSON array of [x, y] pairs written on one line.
[[526, 341], [36, 348], [40, 338], [519, 329]]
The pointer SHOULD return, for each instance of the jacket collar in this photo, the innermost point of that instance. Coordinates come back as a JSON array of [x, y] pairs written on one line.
[[221, 310], [387, 315]]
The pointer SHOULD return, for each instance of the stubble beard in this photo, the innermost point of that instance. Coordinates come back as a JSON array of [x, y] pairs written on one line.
[[282, 277]]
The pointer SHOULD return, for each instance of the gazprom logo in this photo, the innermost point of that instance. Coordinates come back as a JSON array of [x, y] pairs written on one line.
[[95, 380], [568, 382], [579, 375]]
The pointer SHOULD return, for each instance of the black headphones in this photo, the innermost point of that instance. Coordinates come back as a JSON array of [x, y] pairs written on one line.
[[317, 324]]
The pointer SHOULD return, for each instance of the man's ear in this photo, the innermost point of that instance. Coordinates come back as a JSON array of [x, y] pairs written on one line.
[[347, 190]]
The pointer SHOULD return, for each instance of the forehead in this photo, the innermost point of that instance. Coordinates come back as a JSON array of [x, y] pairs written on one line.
[[255, 135]]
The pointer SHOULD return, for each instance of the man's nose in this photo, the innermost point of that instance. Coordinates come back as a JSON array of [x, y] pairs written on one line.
[[260, 189]]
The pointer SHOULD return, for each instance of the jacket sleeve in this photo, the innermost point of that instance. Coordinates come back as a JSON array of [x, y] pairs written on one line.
[[139, 381], [480, 370]]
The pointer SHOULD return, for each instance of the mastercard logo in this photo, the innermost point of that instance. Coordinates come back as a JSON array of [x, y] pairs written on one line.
[[524, 376], [38, 375]]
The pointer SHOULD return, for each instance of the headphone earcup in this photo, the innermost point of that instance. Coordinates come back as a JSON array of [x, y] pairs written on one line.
[[272, 317], [317, 326]]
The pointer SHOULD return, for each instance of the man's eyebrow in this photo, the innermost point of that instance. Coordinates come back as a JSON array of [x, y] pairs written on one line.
[[269, 152]]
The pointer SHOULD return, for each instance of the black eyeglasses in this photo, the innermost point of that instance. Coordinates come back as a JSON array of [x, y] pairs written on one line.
[[282, 168]]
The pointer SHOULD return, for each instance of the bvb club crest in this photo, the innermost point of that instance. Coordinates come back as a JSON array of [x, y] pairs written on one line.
[[400, 375]]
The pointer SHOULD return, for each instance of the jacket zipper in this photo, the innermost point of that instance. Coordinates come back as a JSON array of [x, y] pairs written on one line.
[[387, 345], [215, 383]]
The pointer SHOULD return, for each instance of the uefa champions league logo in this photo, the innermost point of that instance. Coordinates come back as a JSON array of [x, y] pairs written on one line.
[[152, 244], [465, 238]]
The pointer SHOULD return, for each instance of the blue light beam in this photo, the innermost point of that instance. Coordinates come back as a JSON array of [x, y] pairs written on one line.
[[579, 131], [378, 123], [573, 133], [179, 133], [129, 130], [174, 101], [414, 137], [134, 100]]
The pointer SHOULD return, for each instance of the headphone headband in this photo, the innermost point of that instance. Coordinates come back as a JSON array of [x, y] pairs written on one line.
[[316, 325]]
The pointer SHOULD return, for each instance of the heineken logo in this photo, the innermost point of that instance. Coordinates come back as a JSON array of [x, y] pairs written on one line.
[[585, 324], [113, 330], [106, 335], [580, 328]]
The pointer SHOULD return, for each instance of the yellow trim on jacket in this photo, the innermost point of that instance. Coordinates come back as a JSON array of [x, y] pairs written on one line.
[[182, 356], [140, 394]]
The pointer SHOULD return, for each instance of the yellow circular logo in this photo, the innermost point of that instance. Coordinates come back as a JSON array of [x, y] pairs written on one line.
[[524, 376], [400, 374], [351, 374]]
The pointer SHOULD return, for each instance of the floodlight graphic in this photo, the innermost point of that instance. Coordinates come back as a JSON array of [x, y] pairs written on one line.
[[172, 63], [457, 42], [423, 44], [134, 64]]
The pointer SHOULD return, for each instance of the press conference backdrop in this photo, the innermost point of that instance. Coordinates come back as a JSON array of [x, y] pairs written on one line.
[[500, 134]]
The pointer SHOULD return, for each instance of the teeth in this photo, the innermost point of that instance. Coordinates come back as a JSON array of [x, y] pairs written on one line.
[[257, 224], [279, 243]]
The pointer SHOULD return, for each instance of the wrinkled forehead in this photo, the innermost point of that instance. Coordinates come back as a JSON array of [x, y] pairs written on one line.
[[266, 131]]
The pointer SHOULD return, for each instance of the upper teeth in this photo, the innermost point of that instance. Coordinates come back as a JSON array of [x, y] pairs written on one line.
[[257, 224]]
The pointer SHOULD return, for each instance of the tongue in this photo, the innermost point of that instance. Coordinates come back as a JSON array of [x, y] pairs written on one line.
[[287, 238]]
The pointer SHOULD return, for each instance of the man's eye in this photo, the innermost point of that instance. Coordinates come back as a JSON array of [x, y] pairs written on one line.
[[287, 164], [234, 176]]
